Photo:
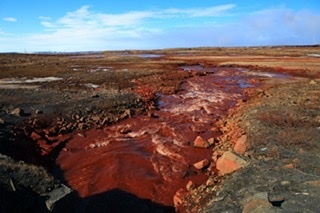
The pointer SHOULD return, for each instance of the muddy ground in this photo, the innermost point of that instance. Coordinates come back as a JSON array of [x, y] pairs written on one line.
[[280, 119]]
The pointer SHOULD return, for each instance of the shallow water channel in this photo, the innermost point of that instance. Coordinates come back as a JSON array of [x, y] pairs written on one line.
[[153, 156]]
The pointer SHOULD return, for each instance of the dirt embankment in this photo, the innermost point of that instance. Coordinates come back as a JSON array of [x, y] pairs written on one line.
[[277, 133]]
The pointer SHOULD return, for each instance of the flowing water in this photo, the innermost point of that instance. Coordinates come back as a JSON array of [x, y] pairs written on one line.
[[153, 156]]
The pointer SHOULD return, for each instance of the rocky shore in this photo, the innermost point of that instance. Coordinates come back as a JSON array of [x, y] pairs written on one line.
[[269, 151]]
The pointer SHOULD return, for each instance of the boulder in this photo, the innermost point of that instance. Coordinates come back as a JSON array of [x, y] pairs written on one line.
[[56, 195], [200, 142], [201, 164], [230, 162], [241, 145], [17, 112], [313, 82], [257, 205]]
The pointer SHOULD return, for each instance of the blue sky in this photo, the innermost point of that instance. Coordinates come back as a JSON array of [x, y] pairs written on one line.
[[83, 25]]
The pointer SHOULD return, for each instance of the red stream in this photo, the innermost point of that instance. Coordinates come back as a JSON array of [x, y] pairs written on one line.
[[152, 157]]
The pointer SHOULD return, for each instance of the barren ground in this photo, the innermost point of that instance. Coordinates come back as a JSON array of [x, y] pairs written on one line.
[[48, 99]]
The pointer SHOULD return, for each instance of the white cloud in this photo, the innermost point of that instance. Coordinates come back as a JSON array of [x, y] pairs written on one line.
[[85, 29], [277, 26], [283, 25], [127, 19], [84, 17], [200, 12], [10, 19]]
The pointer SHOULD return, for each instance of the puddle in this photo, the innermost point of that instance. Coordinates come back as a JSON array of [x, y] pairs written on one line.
[[92, 69], [153, 156], [199, 68], [266, 74], [98, 69], [150, 55], [142, 55], [90, 85], [24, 83], [88, 56], [313, 55]]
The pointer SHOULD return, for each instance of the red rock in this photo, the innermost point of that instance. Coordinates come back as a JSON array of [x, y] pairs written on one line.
[[215, 155], [211, 141], [81, 126], [190, 185], [210, 182], [46, 132], [200, 142], [125, 131], [241, 145], [214, 129], [201, 164], [81, 135], [178, 197], [296, 160], [229, 163], [289, 166], [212, 168], [35, 136], [315, 183]]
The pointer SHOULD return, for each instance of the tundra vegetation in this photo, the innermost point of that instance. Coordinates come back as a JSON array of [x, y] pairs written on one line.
[[46, 99]]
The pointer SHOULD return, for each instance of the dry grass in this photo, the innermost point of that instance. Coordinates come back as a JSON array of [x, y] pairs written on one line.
[[278, 119], [232, 51], [285, 119], [25, 175]]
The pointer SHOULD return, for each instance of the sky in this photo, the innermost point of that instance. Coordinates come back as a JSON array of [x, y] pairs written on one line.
[[97, 25]]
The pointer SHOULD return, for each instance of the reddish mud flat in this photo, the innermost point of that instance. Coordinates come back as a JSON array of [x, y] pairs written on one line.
[[153, 156]]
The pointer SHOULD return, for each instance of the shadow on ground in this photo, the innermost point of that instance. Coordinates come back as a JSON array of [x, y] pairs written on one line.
[[114, 200]]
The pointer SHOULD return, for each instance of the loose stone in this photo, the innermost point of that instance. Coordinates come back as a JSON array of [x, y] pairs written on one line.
[[229, 163], [200, 142]]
